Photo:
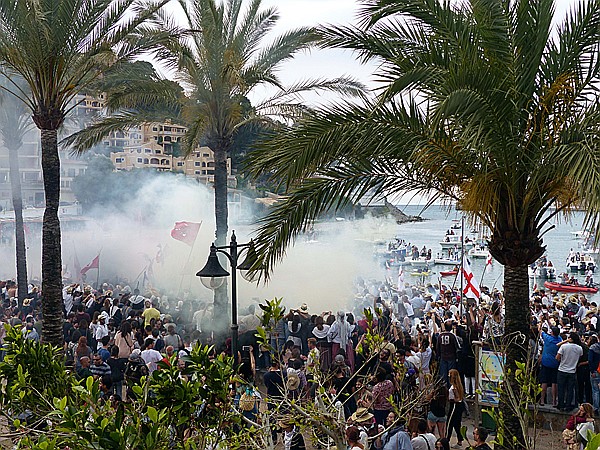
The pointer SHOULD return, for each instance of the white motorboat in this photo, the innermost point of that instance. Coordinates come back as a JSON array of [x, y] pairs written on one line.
[[581, 262], [447, 261], [478, 252], [454, 241], [420, 262]]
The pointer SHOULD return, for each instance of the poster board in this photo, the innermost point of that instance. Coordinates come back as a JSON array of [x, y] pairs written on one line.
[[489, 376]]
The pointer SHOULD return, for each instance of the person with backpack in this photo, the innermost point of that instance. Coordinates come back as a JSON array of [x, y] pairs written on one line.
[[135, 369]]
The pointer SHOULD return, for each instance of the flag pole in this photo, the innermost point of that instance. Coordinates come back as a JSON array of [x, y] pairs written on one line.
[[462, 261], [183, 272], [98, 270]]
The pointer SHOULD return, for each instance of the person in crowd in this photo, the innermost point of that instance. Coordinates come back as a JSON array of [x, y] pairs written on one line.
[[568, 355], [423, 440], [456, 397], [549, 364], [99, 368], [436, 416], [291, 436], [442, 444], [480, 434], [447, 350], [575, 432], [353, 438]]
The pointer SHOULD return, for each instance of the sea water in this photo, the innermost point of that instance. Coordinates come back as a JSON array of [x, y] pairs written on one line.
[[438, 219]]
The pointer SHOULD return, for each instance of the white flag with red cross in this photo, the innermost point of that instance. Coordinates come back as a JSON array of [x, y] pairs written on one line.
[[470, 284]]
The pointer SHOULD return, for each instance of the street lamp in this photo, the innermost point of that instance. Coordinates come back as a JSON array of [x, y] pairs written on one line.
[[213, 274]]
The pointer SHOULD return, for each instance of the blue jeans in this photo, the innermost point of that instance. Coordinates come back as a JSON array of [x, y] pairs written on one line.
[[595, 379], [566, 389], [445, 367]]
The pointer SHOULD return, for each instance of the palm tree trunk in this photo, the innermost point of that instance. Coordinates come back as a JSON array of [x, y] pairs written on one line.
[[516, 332], [52, 303], [17, 201], [221, 309]]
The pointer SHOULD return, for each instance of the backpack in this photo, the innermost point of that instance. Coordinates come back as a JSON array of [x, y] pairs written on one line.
[[247, 401]]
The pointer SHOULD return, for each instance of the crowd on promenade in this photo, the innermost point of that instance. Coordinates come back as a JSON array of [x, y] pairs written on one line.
[[118, 335]]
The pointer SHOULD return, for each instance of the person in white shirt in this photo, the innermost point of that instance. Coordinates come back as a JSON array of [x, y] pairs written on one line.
[[569, 352], [423, 440], [151, 356], [101, 328]]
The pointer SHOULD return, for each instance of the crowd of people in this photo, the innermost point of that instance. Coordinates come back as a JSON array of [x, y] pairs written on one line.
[[119, 335]]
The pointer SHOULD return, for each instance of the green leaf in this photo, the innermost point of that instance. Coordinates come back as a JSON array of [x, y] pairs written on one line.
[[152, 414]]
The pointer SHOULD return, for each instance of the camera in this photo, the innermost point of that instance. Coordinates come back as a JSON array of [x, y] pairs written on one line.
[[246, 348]]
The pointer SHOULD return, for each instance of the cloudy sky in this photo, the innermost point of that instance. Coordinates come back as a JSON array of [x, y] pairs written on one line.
[[330, 63]]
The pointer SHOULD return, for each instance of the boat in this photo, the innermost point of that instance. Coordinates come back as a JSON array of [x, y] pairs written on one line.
[[559, 287], [452, 241], [419, 262], [581, 262], [447, 261], [580, 235], [449, 273], [478, 252], [421, 272]]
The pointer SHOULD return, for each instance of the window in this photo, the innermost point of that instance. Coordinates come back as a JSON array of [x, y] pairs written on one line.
[[140, 160], [197, 163], [118, 160], [203, 164], [154, 161], [204, 172], [179, 164], [205, 155], [164, 162], [145, 160], [139, 150], [210, 172], [147, 150], [158, 152], [197, 172], [167, 138], [154, 129]]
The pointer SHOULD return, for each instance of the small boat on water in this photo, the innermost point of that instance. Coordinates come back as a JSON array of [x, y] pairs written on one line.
[[449, 273], [424, 272], [478, 252], [560, 287]]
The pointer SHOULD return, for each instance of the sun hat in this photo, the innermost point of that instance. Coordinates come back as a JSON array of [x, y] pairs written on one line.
[[361, 415], [293, 382], [304, 308], [285, 421]]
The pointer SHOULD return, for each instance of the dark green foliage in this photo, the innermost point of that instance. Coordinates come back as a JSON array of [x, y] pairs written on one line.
[[33, 373]]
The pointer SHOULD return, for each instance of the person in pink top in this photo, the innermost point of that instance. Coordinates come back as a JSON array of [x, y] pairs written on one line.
[[382, 391]]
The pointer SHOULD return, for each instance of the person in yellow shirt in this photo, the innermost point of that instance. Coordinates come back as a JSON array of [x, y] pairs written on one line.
[[150, 313]]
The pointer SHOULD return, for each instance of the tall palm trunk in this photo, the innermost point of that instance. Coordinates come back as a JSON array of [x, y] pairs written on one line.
[[221, 299], [51, 246], [17, 201], [516, 330]]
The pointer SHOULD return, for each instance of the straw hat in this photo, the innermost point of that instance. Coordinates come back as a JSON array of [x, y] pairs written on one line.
[[285, 421], [293, 382], [361, 415]]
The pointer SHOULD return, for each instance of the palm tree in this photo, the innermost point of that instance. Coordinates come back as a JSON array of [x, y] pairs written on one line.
[[224, 60], [59, 47], [484, 103], [15, 122]]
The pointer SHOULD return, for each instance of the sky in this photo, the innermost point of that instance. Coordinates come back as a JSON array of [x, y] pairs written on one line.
[[331, 63]]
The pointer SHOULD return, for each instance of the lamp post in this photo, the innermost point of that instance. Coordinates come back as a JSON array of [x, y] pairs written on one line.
[[212, 276]]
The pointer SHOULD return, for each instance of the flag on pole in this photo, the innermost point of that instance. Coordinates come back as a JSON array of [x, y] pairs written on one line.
[[488, 262], [186, 232], [95, 264], [470, 284]]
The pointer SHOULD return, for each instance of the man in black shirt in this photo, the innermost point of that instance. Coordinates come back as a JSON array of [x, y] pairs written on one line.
[[274, 383], [447, 349]]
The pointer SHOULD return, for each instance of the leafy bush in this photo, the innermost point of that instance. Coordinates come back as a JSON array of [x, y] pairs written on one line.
[[32, 374]]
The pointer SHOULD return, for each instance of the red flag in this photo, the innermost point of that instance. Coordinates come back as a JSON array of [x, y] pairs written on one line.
[[95, 264], [186, 232]]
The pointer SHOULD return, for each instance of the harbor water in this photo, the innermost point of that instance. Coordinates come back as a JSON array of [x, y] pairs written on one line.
[[438, 219]]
